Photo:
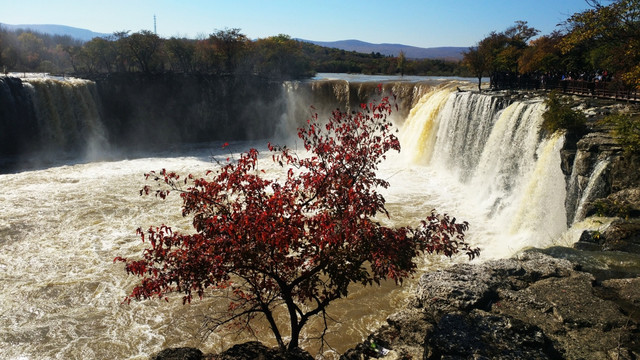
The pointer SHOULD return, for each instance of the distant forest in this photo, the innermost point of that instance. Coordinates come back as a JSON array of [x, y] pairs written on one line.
[[601, 43], [226, 51]]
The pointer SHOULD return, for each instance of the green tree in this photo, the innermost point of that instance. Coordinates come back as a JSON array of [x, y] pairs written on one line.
[[560, 116], [280, 57], [101, 53], [121, 48], [626, 129]]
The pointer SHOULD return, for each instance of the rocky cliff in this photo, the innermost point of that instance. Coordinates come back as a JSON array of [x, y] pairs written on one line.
[[141, 110]]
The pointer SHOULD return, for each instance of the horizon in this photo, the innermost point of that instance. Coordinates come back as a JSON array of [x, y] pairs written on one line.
[[420, 24]]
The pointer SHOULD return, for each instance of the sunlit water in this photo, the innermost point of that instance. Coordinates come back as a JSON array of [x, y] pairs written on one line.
[[60, 228]]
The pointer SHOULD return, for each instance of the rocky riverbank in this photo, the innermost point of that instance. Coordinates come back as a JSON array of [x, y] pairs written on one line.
[[532, 307]]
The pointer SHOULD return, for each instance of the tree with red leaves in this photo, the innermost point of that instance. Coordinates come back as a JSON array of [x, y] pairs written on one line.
[[293, 243]]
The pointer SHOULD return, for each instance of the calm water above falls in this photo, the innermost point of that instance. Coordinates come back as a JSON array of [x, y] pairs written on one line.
[[60, 228]]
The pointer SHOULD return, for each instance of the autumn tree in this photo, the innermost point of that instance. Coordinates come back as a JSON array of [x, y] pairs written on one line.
[[280, 57], [608, 37], [296, 242], [32, 49], [477, 62], [543, 54], [517, 37], [231, 44]]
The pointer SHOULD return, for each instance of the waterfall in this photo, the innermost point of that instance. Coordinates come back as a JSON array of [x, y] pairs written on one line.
[[67, 115], [593, 190], [493, 149], [418, 134], [52, 115], [305, 98]]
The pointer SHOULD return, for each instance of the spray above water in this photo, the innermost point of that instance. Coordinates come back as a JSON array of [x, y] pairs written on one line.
[[511, 180]]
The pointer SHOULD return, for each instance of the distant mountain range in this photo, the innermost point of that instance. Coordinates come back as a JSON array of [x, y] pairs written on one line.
[[77, 33], [411, 52]]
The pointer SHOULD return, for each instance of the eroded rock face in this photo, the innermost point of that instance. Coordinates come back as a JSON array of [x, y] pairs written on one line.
[[534, 307], [621, 235]]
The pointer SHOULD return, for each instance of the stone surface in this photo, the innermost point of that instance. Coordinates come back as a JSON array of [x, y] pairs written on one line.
[[534, 307], [183, 353], [256, 350], [620, 235]]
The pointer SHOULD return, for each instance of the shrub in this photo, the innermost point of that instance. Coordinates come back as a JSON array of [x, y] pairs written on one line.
[[626, 129], [560, 116]]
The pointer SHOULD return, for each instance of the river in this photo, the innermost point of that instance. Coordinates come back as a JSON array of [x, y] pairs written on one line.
[[465, 154]]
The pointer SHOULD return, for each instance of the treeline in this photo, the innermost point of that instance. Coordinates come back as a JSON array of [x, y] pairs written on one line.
[[600, 44], [223, 52]]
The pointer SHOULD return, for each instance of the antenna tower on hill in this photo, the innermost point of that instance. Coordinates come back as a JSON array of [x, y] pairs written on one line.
[[155, 30]]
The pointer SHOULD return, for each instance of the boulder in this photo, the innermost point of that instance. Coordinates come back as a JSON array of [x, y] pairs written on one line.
[[183, 353], [256, 350], [532, 307], [620, 235]]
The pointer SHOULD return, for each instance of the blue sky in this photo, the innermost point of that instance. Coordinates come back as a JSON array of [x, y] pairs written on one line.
[[423, 23]]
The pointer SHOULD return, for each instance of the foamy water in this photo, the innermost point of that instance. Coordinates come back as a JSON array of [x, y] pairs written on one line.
[[61, 227]]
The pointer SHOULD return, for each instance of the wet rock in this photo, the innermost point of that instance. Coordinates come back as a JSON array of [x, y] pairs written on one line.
[[256, 350], [624, 203], [533, 307], [481, 334], [589, 241], [184, 353], [627, 290], [620, 235]]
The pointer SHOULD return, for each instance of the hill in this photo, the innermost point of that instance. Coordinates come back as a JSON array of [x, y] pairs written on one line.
[[76, 33], [411, 52]]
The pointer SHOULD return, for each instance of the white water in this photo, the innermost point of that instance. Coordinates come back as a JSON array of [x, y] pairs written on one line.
[[61, 227], [513, 186], [592, 189]]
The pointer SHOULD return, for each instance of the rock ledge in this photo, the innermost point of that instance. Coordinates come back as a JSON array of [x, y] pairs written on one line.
[[533, 307]]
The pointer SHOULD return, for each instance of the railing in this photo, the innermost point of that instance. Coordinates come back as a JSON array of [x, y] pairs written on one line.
[[599, 89]]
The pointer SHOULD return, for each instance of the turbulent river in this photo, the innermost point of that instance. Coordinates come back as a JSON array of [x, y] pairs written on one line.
[[476, 157]]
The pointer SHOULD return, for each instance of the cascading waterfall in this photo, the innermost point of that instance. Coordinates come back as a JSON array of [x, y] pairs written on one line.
[[63, 115], [593, 190], [419, 131], [67, 113], [511, 178], [462, 136]]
